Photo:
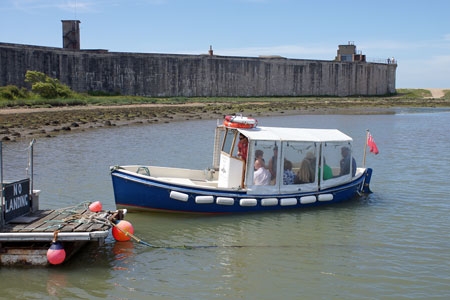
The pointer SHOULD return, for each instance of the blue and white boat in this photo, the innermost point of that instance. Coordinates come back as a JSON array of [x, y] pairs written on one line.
[[281, 170]]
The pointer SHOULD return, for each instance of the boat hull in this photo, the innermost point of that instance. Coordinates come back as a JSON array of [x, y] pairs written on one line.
[[137, 193]]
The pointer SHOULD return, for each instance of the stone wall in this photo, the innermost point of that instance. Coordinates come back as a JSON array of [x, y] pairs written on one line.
[[169, 75]]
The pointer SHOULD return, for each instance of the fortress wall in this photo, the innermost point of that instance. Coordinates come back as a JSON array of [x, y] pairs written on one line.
[[169, 75]]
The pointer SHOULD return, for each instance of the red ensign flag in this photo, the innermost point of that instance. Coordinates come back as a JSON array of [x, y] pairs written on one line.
[[372, 146]]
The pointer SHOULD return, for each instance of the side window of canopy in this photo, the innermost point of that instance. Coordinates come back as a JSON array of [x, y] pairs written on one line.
[[338, 156], [263, 166], [338, 164], [299, 163]]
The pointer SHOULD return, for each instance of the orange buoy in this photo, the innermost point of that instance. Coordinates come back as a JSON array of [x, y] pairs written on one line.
[[120, 229], [95, 206], [56, 253]]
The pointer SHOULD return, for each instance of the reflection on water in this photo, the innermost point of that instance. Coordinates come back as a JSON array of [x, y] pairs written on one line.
[[391, 244]]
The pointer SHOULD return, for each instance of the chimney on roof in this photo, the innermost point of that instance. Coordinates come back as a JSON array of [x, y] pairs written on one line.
[[71, 34], [211, 53]]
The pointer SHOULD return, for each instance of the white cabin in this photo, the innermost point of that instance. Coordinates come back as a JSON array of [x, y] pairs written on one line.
[[291, 158]]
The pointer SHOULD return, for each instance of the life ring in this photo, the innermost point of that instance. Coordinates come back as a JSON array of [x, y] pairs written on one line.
[[239, 119], [237, 125]]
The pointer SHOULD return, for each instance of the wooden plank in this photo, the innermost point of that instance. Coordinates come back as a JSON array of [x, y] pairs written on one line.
[[69, 225], [42, 226], [50, 214], [17, 227], [72, 226], [94, 226]]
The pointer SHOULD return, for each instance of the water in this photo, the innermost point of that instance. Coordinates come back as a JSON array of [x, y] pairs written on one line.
[[393, 244]]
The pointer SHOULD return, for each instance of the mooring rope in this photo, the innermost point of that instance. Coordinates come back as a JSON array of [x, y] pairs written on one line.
[[101, 218]]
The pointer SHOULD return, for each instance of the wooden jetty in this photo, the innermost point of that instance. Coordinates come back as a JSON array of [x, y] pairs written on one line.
[[26, 233], [26, 239]]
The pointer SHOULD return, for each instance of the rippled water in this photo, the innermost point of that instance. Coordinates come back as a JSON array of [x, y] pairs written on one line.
[[392, 244]]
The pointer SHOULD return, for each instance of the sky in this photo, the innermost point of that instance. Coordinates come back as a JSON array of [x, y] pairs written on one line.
[[415, 33]]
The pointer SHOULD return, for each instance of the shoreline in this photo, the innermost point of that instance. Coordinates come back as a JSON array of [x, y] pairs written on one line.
[[23, 123]]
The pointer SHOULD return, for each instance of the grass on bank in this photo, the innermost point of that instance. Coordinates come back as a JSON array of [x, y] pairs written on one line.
[[11, 96], [446, 94], [413, 93]]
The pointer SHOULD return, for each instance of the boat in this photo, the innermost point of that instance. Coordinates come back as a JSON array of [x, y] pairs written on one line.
[[255, 168]]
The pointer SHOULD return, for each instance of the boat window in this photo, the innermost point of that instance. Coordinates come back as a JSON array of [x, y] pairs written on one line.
[[228, 142], [264, 155], [337, 160], [299, 163]]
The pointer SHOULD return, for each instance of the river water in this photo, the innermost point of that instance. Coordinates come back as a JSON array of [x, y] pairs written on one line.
[[392, 244]]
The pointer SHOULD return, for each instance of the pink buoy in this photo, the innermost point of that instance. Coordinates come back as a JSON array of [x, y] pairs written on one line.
[[95, 206], [119, 230], [56, 253]]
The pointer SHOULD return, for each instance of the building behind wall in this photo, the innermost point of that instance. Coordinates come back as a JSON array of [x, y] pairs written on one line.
[[349, 53]]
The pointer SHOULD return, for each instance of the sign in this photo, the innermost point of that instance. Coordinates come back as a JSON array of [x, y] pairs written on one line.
[[17, 199]]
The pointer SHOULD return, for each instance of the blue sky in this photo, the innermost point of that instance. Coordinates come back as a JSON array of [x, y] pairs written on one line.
[[416, 33]]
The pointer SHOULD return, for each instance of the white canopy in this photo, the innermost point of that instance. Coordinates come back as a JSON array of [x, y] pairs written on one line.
[[295, 134]]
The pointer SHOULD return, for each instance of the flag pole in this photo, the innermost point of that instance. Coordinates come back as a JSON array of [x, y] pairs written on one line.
[[365, 148]]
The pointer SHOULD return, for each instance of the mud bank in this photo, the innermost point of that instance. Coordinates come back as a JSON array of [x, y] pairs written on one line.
[[22, 123]]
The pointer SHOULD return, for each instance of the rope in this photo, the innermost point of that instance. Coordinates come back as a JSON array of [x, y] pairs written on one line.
[[75, 216]]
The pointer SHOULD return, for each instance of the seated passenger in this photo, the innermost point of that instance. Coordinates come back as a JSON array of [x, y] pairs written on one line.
[[273, 163], [327, 172], [288, 175], [307, 171], [345, 162], [261, 176], [259, 156]]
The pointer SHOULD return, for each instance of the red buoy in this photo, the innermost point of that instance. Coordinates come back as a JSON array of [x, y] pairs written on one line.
[[95, 206], [119, 234], [56, 253]]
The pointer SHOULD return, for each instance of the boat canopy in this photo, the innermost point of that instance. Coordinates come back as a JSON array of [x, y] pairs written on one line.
[[295, 134]]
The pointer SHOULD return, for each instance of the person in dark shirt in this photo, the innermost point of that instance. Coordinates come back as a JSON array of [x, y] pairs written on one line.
[[345, 162]]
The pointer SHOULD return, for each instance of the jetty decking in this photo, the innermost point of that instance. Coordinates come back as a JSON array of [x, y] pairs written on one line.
[[26, 239]]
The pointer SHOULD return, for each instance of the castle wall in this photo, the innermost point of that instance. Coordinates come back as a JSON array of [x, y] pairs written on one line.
[[169, 75]]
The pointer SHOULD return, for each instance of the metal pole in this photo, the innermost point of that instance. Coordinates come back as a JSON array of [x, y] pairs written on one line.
[[31, 167], [365, 148], [2, 202]]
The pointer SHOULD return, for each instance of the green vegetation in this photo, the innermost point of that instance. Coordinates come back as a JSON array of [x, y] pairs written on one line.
[[446, 94], [47, 87], [413, 93], [49, 92], [12, 92]]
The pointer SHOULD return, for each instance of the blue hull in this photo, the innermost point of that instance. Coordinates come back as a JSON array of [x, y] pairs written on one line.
[[138, 193]]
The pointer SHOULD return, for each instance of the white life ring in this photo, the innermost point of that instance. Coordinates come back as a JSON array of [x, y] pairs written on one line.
[[240, 122]]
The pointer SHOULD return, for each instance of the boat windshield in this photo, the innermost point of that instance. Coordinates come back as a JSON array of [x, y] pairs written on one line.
[[229, 141]]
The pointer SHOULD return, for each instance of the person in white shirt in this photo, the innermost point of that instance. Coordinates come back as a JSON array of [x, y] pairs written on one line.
[[262, 175]]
